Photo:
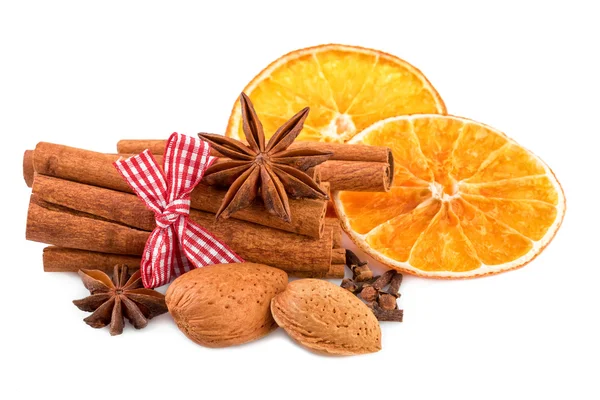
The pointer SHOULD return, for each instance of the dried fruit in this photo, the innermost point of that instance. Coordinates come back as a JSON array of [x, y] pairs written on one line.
[[326, 318], [466, 200], [268, 166], [110, 300], [225, 304], [347, 88]]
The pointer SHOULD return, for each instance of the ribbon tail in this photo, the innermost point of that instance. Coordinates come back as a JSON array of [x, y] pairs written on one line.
[[157, 259], [202, 248]]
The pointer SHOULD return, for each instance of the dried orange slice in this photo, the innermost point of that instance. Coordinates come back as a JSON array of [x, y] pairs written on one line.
[[347, 89], [466, 200]]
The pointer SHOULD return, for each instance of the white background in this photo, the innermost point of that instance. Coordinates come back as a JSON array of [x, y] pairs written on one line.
[[88, 75]]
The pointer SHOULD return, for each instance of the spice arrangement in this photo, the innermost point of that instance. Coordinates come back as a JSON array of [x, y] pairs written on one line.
[[324, 140]]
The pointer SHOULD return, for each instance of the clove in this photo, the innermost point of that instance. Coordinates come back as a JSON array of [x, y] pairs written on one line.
[[395, 283], [356, 287], [369, 293], [387, 300], [349, 285], [387, 315], [384, 279], [360, 269]]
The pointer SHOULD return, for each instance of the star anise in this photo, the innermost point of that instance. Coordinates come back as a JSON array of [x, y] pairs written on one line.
[[269, 168], [112, 300]]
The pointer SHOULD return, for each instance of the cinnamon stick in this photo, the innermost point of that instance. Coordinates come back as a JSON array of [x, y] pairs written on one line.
[[79, 166], [347, 152], [60, 259], [123, 208], [357, 176], [136, 146], [336, 271], [358, 168], [308, 215], [61, 226], [338, 256], [92, 168], [336, 228], [67, 229], [28, 167]]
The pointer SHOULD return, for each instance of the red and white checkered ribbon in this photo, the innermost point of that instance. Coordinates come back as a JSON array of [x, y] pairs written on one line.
[[177, 244]]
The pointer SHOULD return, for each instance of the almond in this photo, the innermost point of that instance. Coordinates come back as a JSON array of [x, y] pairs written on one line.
[[226, 304], [326, 318]]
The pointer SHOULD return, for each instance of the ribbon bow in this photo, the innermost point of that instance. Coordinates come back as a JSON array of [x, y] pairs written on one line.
[[177, 244]]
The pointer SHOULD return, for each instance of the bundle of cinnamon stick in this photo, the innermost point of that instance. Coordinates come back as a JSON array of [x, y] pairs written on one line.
[[83, 208]]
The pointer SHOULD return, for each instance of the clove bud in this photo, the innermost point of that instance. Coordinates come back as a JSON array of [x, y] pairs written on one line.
[[384, 279], [360, 269], [349, 285], [387, 315], [369, 293], [394, 288], [387, 301]]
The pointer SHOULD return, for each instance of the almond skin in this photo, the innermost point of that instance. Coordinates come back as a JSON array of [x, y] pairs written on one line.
[[326, 318], [225, 304]]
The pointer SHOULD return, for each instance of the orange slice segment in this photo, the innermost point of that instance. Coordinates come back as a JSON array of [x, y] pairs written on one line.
[[528, 217], [466, 201], [494, 242], [389, 242], [347, 89], [368, 210], [443, 246], [537, 187]]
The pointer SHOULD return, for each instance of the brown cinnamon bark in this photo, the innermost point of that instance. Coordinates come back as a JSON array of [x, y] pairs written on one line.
[[66, 229], [335, 272], [336, 228], [264, 245], [123, 208], [354, 152], [137, 146], [61, 226], [357, 176], [308, 215], [338, 256], [60, 259], [357, 168], [28, 167], [92, 168], [79, 166]]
